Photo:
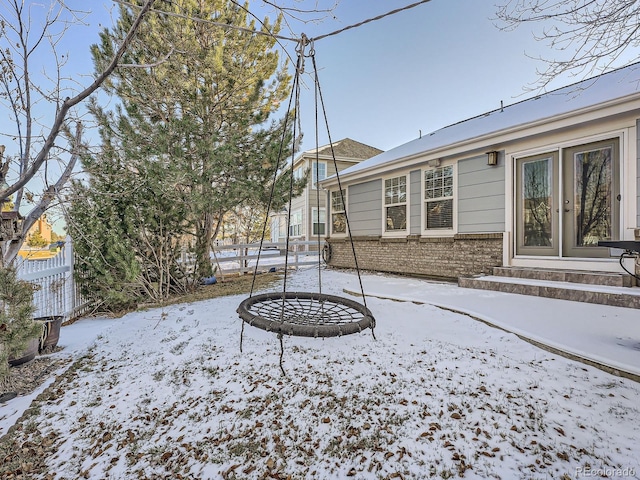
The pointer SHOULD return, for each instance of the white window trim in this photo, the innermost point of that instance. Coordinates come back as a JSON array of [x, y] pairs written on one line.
[[627, 174], [298, 172], [314, 214], [295, 212], [407, 203], [313, 171], [441, 232], [331, 233]]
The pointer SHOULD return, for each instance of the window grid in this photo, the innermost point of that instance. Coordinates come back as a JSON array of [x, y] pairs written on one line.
[[336, 202], [395, 190], [319, 224], [438, 183], [298, 173], [338, 216], [321, 171], [395, 199], [438, 195], [295, 226]]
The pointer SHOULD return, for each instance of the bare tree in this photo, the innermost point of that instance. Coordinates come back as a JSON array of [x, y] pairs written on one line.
[[39, 152], [589, 35], [40, 107]]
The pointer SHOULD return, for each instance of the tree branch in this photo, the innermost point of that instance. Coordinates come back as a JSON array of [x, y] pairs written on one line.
[[50, 193], [71, 102]]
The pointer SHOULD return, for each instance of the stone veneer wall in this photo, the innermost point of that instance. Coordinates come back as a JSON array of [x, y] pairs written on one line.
[[445, 257]]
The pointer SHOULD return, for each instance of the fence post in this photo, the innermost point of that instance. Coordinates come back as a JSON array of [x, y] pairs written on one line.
[[69, 280]]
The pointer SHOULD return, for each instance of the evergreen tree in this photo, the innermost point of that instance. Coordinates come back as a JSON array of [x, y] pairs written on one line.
[[37, 240], [16, 322], [191, 138]]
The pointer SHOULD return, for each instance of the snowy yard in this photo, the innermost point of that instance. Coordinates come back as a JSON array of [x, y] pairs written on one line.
[[167, 394]]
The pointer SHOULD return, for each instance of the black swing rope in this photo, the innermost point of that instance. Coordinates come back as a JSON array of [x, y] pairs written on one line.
[[335, 163], [302, 313], [272, 191]]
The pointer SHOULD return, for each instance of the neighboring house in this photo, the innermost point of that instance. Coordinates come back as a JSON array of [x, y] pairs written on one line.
[[533, 184], [43, 226], [308, 212]]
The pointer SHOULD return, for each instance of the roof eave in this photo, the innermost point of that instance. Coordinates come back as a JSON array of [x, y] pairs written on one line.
[[481, 141]]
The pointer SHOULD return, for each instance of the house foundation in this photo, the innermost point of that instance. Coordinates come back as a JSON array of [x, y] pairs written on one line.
[[441, 257]]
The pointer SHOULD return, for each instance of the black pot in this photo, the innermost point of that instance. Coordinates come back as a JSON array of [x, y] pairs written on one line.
[[51, 335], [27, 354]]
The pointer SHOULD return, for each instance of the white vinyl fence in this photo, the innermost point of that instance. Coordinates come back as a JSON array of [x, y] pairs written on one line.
[[242, 258], [55, 290]]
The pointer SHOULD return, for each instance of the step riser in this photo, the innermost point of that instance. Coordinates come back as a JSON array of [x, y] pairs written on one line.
[[588, 278], [601, 298]]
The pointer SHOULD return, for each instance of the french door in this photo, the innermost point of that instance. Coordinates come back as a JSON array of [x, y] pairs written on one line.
[[568, 200]]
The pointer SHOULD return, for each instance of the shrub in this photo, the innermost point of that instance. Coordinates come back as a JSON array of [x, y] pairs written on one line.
[[16, 317]]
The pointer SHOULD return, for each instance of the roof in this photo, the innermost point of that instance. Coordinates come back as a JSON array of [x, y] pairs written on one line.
[[345, 148], [615, 85], [11, 215]]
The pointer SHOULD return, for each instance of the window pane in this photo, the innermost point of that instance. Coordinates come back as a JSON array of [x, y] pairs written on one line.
[[336, 201], [537, 203], [396, 218], [395, 190], [338, 223], [440, 214], [438, 183], [318, 169], [592, 196]]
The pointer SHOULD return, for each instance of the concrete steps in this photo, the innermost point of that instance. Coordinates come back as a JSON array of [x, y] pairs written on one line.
[[591, 287]]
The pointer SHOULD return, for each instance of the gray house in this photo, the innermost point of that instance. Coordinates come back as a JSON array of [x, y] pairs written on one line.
[[308, 212], [534, 184]]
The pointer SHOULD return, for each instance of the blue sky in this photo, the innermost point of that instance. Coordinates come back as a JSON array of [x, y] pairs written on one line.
[[417, 70], [384, 82]]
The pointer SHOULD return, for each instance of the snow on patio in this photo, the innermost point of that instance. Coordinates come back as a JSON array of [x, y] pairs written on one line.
[[166, 393]]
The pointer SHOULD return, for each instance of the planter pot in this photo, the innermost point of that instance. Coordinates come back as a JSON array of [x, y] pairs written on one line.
[[28, 354], [51, 333]]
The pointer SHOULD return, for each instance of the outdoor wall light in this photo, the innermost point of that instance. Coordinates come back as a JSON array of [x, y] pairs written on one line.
[[434, 163], [492, 158]]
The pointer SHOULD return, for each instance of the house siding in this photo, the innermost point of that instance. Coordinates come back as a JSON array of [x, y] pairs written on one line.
[[365, 208], [414, 202], [481, 198]]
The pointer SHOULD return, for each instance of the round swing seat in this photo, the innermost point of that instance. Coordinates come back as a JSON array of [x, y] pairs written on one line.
[[305, 314]]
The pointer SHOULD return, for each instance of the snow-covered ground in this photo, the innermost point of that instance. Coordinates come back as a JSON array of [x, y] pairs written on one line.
[[166, 393]]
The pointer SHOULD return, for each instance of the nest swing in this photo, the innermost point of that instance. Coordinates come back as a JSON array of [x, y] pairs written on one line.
[[305, 314]]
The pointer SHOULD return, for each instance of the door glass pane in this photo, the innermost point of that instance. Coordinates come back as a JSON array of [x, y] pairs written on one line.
[[537, 202], [592, 196]]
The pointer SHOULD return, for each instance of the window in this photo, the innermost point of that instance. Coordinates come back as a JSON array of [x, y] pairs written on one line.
[[298, 173], [321, 171], [438, 196], [295, 225], [278, 228], [319, 223], [395, 201], [338, 216]]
